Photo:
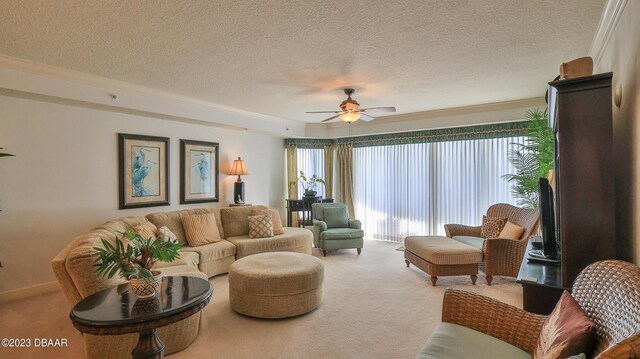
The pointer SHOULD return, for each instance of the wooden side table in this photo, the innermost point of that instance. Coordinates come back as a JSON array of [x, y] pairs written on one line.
[[239, 204], [118, 310]]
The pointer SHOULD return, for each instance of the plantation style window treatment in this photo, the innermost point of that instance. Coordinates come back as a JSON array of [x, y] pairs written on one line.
[[414, 189]]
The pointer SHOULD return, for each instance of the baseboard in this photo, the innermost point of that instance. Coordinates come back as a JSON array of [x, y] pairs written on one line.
[[26, 292]]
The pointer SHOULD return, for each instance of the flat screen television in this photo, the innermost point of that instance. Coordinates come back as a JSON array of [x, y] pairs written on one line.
[[547, 220]]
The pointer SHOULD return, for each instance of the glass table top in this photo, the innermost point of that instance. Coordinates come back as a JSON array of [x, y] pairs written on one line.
[[120, 305]]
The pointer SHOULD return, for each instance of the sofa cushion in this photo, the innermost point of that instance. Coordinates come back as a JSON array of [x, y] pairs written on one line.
[[293, 239], [452, 341], [567, 331], [211, 252], [475, 242], [146, 229], [186, 258], [341, 233], [336, 217], [235, 220], [275, 218], [183, 270], [200, 229], [173, 220], [79, 261]]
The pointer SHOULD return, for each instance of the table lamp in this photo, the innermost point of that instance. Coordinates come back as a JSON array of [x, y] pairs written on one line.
[[239, 168]]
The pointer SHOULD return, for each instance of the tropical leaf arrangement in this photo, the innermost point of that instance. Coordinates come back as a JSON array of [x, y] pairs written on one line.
[[133, 256], [532, 160]]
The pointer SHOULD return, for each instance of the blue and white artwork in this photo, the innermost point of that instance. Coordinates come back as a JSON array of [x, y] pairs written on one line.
[[145, 173], [200, 179]]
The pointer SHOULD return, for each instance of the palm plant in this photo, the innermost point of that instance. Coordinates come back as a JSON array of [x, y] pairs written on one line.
[[532, 160], [136, 258]]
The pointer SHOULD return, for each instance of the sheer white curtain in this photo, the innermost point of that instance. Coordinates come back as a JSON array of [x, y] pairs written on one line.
[[311, 162], [414, 189]]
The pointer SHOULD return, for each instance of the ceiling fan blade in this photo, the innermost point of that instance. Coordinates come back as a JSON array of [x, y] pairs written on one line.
[[365, 117], [330, 118], [381, 109], [323, 111]]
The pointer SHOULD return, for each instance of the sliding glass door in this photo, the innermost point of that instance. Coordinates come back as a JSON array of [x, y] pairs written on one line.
[[414, 189]]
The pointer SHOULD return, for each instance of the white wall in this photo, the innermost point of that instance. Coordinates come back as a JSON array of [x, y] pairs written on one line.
[[621, 55], [64, 178]]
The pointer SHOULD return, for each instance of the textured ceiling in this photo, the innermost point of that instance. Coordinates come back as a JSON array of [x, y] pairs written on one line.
[[282, 58]]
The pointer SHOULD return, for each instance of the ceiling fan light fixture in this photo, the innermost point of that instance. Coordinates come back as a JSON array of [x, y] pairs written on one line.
[[349, 117]]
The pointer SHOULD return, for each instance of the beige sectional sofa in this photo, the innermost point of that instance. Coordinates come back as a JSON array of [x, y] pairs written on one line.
[[73, 267]]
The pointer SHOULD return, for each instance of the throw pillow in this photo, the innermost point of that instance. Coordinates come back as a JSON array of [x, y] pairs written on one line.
[[275, 218], [567, 331], [260, 226], [201, 229], [146, 230], [165, 233], [492, 226], [336, 217], [511, 231]]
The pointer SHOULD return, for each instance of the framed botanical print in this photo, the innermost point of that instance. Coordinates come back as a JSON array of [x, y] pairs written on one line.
[[198, 172], [143, 166]]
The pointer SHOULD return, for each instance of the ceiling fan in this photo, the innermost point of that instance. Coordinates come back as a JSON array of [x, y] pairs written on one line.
[[351, 110]]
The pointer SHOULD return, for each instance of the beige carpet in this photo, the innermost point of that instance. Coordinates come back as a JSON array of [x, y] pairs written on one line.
[[373, 307]]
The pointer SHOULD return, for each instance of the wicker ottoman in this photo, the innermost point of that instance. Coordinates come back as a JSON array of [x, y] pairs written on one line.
[[276, 284], [440, 256]]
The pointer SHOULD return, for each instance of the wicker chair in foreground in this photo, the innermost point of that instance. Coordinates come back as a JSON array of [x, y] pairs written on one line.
[[607, 291], [501, 256]]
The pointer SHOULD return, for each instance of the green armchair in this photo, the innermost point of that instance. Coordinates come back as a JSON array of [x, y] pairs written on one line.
[[332, 228]]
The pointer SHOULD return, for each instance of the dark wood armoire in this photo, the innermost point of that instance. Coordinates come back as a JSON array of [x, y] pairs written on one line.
[[580, 113]]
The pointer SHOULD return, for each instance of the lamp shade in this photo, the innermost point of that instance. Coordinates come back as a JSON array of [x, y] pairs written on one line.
[[239, 168], [349, 117]]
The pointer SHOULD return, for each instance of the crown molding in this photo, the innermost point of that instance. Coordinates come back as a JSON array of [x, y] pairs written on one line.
[[608, 22], [55, 84]]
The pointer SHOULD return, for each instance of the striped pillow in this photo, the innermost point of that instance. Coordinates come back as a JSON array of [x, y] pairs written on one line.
[[201, 229], [146, 230]]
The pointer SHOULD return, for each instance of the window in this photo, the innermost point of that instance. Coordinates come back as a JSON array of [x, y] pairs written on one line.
[[414, 189], [311, 162]]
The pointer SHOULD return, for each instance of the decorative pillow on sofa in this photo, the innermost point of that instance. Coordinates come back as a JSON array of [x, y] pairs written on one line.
[[201, 229], [146, 230], [492, 226], [336, 217], [511, 231], [260, 226], [567, 331], [234, 220], [275, 218]]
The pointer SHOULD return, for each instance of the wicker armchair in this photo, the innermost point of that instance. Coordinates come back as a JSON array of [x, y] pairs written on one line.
[[501, 256], [607, 291]]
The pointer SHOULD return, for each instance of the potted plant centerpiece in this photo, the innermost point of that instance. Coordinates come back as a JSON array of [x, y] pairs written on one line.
[[309, 184], [133, 256]]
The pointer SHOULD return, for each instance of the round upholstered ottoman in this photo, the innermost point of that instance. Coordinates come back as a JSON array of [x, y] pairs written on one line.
[[276, 284]]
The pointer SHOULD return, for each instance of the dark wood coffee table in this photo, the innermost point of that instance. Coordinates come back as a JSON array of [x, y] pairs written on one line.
[[118, 310]]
